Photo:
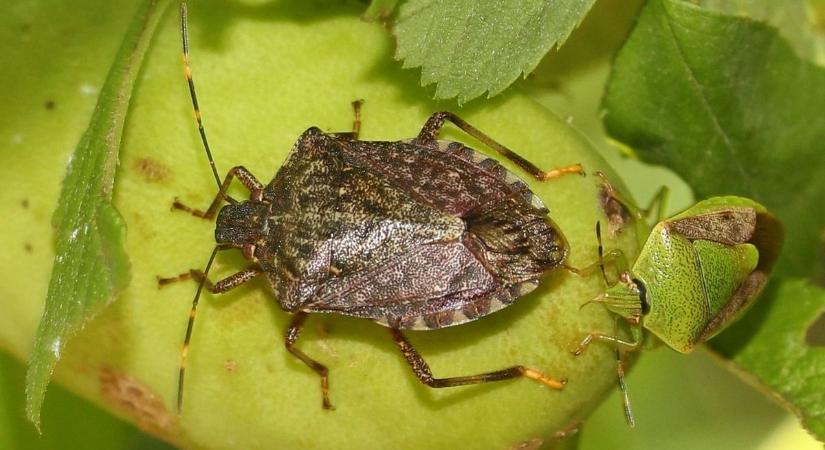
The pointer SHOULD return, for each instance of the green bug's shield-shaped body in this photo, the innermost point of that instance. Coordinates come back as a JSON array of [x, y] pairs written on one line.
[[412, 235], [699, 270]]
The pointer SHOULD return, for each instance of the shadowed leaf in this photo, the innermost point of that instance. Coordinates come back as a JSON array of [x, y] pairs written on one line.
[[379, 9], [794, 19]]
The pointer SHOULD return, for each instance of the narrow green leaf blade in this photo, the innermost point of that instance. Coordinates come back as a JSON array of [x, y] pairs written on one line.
[[90, 265], [470, 47], [727, 104]]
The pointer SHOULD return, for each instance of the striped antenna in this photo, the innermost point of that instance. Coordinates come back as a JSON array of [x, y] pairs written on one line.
[[184, 32], [601, 252], [189, 326], [628, 412]]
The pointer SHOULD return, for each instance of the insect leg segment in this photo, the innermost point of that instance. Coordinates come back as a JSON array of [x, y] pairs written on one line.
[[228, 283], [244, 176], [631, 345], [429, 133], [356, 123], [292, 335], [615, 256], [424, 374], [659, 201]]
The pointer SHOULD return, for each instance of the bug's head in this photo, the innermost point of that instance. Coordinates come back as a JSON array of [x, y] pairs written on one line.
[[627, 298], [242, 225]]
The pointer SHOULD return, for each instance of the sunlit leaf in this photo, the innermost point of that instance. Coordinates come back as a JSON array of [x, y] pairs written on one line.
[[90, 265], [470, 47]]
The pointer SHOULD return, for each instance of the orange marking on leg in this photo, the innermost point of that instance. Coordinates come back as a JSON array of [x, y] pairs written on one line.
[[550, 174], [540, 377]]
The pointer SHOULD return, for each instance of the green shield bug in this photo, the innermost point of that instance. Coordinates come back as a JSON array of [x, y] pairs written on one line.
[[698, 271]]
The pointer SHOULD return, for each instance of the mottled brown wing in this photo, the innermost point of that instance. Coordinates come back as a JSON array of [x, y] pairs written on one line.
[[329, 219], [730, 226], [431, 286], [451, 177]]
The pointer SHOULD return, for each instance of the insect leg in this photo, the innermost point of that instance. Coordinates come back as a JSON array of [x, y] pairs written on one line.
[[611, 256], [244, 176], [429, 133], [291, 336], [221, 286], [659, 201], [356, 123], [425, 375], [228, 283], [630, 344]]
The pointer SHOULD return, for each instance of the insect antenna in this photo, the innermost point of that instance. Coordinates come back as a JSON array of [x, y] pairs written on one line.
[[190, 325], [628, 412], [601, 252], [184, 32]]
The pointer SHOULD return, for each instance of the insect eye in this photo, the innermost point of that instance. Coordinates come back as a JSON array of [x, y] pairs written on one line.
[[642, 295]]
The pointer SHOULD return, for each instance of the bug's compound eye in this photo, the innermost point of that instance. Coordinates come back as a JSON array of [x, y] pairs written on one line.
[[642, 295]]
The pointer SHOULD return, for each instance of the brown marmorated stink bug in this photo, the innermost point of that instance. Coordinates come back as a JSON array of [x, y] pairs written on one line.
[[418, 234]]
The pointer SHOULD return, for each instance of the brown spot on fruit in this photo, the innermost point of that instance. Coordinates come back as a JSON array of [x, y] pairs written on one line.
[[230, 365], [530, 444], [136, 400], [151, 170], [49, 104]]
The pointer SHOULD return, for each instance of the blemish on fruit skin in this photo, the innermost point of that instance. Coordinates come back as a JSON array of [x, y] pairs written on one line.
[[230, 365], [135, 399], [87, 89], [530, 444], [323, 330], [151, 170], [569, 430]]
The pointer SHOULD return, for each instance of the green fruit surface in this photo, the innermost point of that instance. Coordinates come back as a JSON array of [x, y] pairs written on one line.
[[266, 72]]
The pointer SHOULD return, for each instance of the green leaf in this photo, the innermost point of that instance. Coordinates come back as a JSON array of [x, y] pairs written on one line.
[[470, 47], [379, 9], [794, 19], [777, 352], [727, 104], [90, 265]]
